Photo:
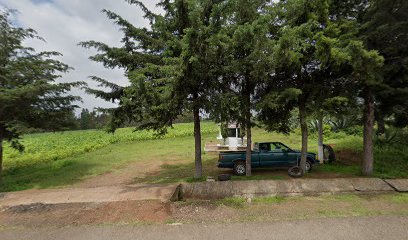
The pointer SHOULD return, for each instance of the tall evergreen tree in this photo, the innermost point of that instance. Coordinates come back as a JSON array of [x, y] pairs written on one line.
[[199, 69], [247, 61], [169, 67], [317, 49], [385, 28], [29, 94]]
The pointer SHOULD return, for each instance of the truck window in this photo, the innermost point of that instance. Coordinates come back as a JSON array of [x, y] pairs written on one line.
[[280, 147], [264, 147]]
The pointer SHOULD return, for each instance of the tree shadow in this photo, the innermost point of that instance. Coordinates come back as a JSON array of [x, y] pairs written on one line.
[[44, 175]]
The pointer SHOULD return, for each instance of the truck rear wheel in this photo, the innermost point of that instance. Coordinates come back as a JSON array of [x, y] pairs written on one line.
[[239, 168], [309, 165]]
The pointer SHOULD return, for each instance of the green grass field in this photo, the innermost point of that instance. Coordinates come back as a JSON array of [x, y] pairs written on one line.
[[48, 147], [61, 159]]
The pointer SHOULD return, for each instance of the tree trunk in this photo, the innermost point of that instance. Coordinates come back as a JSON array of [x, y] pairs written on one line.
[[248, 149], [197, 138], [381, 126], [320, 154], [1, 159], [303, 127], [368, 160], [249, 138]]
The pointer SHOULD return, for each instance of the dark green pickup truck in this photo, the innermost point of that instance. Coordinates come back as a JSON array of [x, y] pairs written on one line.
[[265, 155]]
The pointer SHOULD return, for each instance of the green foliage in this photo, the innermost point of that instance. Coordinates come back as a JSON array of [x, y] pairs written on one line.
[[245, 53], [29, 94], [385, 29], [48, 147], [43, 164], [92, 120]]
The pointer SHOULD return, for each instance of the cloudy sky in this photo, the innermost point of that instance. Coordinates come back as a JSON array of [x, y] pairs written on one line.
[[65, 23]]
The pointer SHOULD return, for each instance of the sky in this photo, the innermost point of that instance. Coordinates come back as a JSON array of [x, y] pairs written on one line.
[[65, 23]]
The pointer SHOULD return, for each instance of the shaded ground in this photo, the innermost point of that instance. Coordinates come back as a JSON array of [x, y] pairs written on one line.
[[181, 171], [171, 168], [122, 176]]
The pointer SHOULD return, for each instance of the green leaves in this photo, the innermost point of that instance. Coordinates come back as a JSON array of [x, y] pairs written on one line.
[[29, 93]]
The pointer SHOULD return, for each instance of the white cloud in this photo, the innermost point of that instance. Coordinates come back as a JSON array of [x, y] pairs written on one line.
[[63, 24]]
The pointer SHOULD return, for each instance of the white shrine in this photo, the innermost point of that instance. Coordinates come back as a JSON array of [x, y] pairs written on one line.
[[231, 141]]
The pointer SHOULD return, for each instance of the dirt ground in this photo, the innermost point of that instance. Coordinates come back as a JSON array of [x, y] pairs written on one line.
[[122, 176], [153, 212], [157, 212], [349, 157], [140, 170], [60, 215]]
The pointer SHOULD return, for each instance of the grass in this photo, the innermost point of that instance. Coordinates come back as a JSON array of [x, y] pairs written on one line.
[[109, 158], [400, 198], [239, 202], [174, 154], [234, 202], [269, 200], [339, 168], [289, 208], [49, 147]]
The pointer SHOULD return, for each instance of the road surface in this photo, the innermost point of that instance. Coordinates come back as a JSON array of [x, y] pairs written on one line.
[[317, 229]]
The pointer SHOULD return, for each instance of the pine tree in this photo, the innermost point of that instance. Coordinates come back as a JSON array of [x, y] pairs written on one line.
[[246, 63], [385, 28], [317, 48], [30, 97], [169, 67]]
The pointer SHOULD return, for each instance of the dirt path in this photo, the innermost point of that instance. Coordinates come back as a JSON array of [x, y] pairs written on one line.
[[123, 176]]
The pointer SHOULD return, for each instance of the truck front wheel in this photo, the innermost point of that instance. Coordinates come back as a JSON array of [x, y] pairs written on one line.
[[239, 168]]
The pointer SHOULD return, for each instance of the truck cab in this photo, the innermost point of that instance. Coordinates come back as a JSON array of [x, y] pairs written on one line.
[[265, 155]]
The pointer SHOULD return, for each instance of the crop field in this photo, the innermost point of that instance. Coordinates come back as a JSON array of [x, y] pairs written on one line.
[[63, 159], [46, 147]]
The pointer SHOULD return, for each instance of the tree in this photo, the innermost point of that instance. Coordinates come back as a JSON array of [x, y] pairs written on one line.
[[199, 64], [366, 66], [246, 62], [306, 49], [317, 48], [85, 119], [169, 67], [29, 93], [385, 28]]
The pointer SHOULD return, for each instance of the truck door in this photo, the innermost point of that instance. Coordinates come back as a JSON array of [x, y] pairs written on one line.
[[265, 155], [284, 156]]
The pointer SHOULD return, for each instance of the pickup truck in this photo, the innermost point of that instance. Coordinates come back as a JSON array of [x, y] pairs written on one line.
[[265, 155]]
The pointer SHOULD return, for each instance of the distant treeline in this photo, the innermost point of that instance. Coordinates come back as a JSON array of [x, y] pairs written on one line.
[[98, 120]]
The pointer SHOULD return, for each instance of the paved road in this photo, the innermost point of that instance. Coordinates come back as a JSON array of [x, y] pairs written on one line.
[[339, 228]]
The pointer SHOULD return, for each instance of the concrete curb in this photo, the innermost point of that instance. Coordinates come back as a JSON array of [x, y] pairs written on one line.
[[293, 187]]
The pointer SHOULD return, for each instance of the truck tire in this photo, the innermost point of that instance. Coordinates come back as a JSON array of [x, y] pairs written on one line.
[[295, 172], [240, 168], [309, 165]]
